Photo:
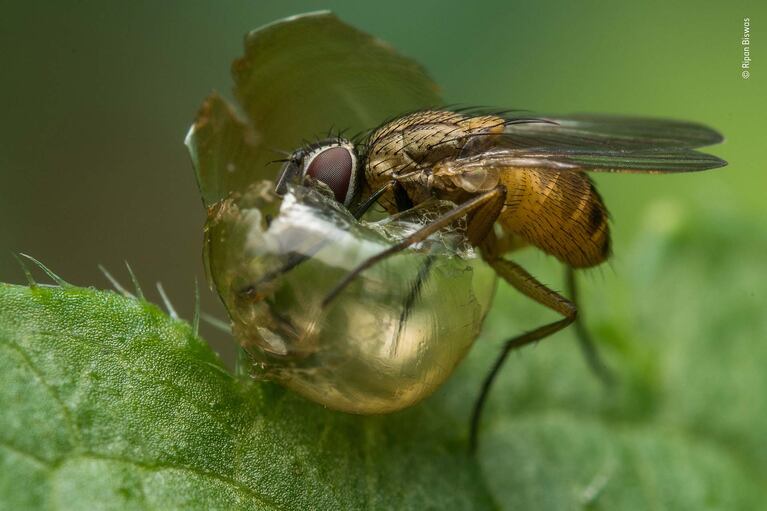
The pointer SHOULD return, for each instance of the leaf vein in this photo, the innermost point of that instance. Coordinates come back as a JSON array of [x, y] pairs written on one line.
[[27, 454], [152, 377], [241, 487], [73, 431]]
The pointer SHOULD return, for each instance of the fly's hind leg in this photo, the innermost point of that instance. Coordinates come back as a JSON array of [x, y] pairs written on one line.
[[528, 285], [590, 352]]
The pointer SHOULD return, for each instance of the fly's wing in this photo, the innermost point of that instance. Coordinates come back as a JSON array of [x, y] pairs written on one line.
[[597, 143], [647, 161], [607, 131]]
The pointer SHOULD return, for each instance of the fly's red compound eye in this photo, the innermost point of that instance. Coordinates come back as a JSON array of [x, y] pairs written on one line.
[[335, 168]]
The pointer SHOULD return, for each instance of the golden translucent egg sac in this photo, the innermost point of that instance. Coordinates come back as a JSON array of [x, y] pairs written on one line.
[[387, 341]]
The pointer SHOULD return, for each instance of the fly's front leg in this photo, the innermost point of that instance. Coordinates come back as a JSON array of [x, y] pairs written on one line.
[[484, 202], [590, 352], [528, 285], [363, 208]]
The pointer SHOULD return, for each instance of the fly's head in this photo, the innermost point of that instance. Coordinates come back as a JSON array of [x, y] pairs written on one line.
[[332, 163]]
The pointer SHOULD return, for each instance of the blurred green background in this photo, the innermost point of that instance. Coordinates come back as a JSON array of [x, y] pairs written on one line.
[[99, 95]]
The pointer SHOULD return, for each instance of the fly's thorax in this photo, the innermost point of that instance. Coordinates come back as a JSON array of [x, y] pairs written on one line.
[[473, 178], [559, 212], [418, 142], [472, 123]]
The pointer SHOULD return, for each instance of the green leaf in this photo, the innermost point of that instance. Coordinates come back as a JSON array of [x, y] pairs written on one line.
[[109, 403], [684, 428]]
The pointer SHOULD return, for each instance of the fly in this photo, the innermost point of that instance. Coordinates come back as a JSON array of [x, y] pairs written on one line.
[[528, 175]]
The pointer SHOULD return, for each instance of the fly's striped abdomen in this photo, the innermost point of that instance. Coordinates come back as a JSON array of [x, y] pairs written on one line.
[[559, 212]]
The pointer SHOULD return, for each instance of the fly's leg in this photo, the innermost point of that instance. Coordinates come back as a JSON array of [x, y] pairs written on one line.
[[368, 203], [492, 199], [526, 284], [294, 260], [479, 229], [415, 292], [590, 352], [403, 203]]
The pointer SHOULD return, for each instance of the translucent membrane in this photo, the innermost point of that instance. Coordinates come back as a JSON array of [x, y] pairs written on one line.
[[388, 340]]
